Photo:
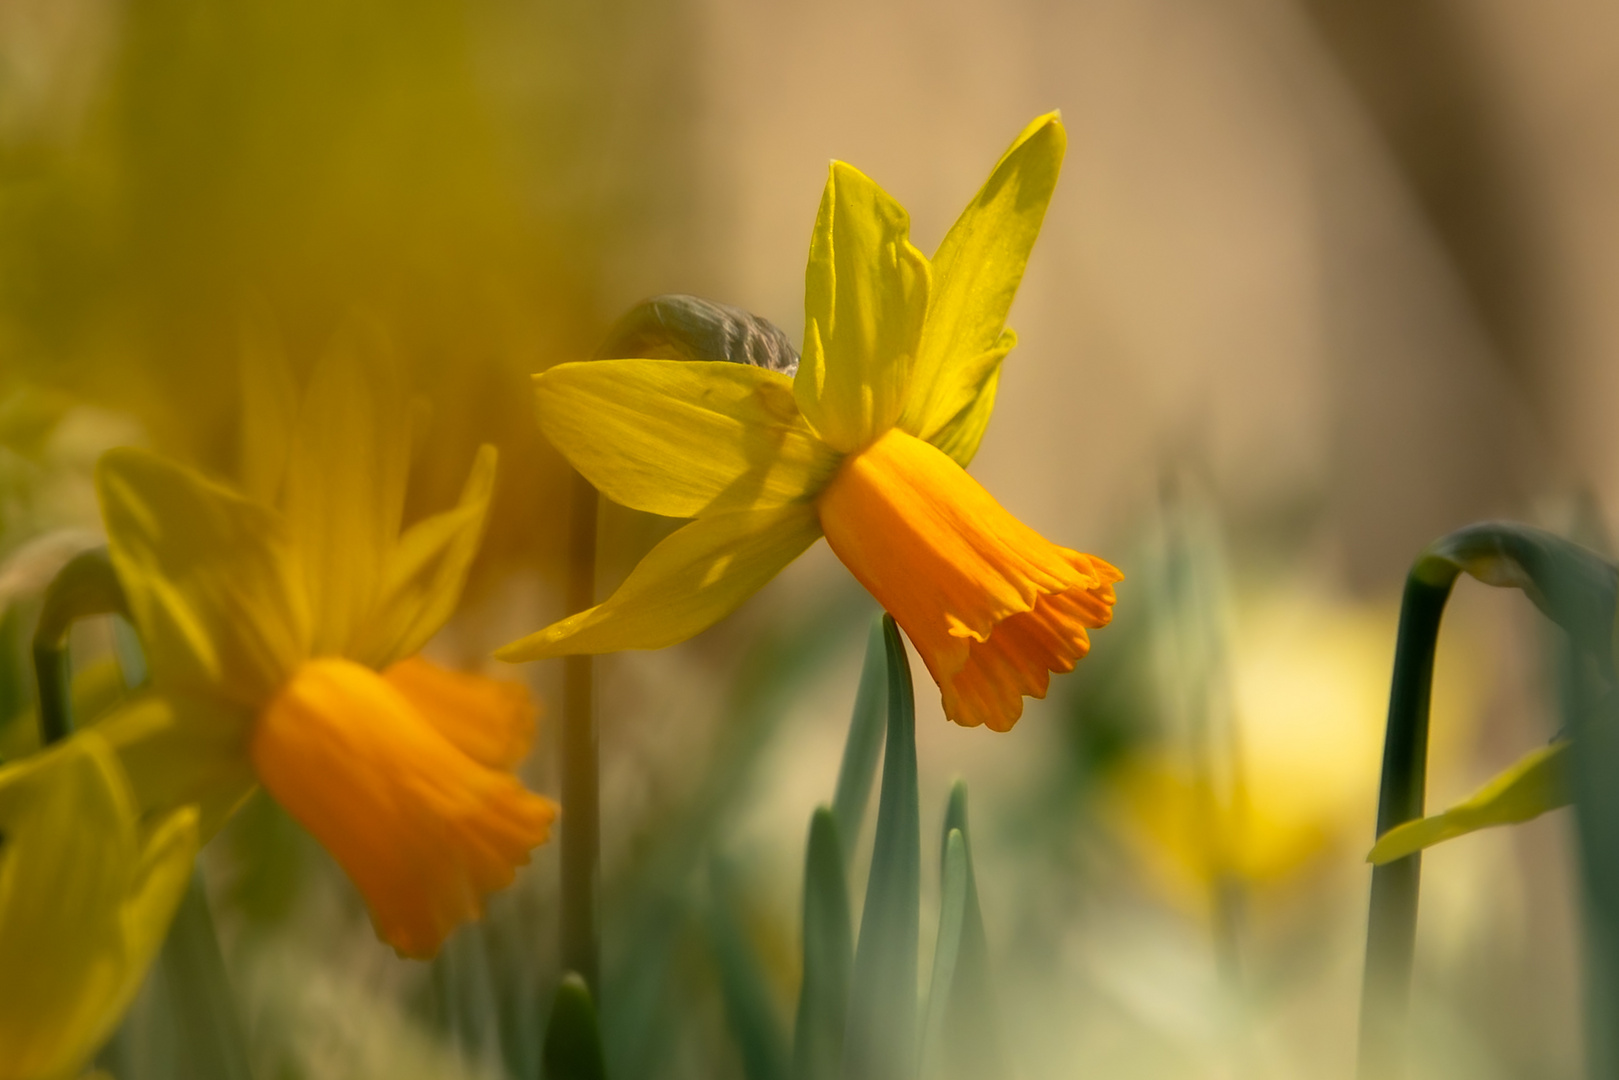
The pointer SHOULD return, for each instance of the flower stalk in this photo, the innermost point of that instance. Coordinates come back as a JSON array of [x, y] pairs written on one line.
[[1575, 589], [581, 831], [1392, 922], [86, 586]]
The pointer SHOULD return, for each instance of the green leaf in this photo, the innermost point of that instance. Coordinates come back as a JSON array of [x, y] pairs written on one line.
[[1534, 784], [969, 1034], [573, 1046], [952, 915], [823, 999], [879, 1041], [754, 1022], [200, 993], [864, 743]]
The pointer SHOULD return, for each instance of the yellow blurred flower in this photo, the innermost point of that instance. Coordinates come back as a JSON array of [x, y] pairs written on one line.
[[1293, 776], [282, 626], [867, 445], [86, 894]]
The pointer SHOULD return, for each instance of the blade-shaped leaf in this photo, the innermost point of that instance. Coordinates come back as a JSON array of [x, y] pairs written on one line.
[[952, 914], [865, 742], [573, 1046], [879, 1039], [211, 1036], [823, 998], [970, 1033], [754, 1023]]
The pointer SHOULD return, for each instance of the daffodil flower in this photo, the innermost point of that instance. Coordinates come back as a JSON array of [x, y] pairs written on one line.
[[282, 626], [87, 890], [866, 445]]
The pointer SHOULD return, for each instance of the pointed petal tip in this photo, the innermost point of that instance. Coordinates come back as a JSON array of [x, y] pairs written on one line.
[[522, 650]]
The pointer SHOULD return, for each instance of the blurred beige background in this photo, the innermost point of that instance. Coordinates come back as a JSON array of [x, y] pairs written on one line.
[[1322, 280]]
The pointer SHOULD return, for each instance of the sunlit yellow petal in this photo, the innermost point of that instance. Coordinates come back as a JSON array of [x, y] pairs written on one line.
[[85, 902], [683, 438], [1533, 785], [865, 295], [960, 435], [181, 751], [424, 573], [976, 273], [992, 607], [690, 581], [345, 485], [424, 831], [210, 577], [491, 721]]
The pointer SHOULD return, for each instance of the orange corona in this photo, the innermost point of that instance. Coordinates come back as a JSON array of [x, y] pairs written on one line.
[[992, 606]]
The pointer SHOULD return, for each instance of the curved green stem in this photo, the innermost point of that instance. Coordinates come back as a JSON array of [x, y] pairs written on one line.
[[1392, 922], [84, 587], [1573, 587]]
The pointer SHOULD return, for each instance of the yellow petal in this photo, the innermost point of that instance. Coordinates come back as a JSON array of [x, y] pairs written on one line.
[[695, 577], [976, 273], [345, 485], [682, 438], [865, 294], [424, 831], [425, 571], [959, 436], [991, 606], [182, 751], [210, 578], [491, 721], [85, 902], [1531, 786]]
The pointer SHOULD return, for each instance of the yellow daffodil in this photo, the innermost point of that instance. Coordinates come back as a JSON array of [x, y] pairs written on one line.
[[282, 625], [86, 894], [867, 445]]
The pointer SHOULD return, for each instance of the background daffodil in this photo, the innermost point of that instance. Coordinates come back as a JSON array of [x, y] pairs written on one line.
[[282, 624], [866, 445], [86, 894]]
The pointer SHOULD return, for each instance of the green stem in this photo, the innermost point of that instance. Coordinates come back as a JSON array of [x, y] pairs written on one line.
[[581, 823], [1573, 587], [1392, 922], [84, 587]]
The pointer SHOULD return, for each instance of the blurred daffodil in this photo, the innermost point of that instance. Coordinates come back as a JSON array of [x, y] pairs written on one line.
[[86, 894], [282, 625], [866, 445]]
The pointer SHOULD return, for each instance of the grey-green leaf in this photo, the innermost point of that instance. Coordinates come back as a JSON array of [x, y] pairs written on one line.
[[880, 1038], [748, 1006], [970, 1044], [864, 743], [952, 915], [823, 999]]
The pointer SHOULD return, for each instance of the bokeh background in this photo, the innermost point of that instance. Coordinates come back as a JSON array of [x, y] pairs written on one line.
[[1323, 279]]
